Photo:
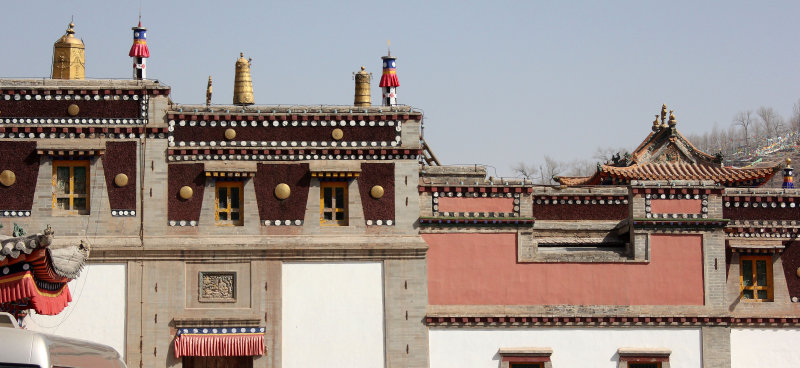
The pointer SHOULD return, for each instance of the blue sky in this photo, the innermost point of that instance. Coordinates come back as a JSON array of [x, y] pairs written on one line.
[[499, 82]]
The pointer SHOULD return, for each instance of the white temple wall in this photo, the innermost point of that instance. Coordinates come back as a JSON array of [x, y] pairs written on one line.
[[97, 310], [332, 315], [572, 347], [765, 347]]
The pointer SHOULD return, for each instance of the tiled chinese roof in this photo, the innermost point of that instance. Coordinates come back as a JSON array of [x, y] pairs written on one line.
[[665, 154]]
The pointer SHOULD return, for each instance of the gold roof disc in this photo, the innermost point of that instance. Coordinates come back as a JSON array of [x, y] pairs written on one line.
[[376, 192], [73, 110], [121, 180], [186, 192], [282, 191], [230, 133], [8, 178], [337, 134]]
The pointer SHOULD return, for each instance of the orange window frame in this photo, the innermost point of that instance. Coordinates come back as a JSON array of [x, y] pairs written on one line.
[[224, 209], [70, 193], [751, 262], [335, 208]]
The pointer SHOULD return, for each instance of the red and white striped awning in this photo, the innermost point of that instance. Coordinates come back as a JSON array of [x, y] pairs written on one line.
[[219, 341]]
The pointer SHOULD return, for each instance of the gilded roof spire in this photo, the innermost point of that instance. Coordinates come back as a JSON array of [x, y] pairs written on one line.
[[208, 91], [363, 96], [242, 83], [68, 56], [672, 121]]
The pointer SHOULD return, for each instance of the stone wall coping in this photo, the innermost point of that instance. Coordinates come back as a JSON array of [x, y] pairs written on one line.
[[644, 351], [525, 351]]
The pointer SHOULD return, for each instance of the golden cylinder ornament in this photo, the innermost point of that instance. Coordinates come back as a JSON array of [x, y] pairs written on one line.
[[73, 110], [282, 191], [242, 83], [337, 134], [798, 271], [68, 56], [186, 192], [376, 192], [362, 95], [8, 178], [121, 180], [230, 133]]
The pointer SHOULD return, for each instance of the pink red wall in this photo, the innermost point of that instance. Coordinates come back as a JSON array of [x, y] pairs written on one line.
[[451, 204], [482, 269], [676, 206]]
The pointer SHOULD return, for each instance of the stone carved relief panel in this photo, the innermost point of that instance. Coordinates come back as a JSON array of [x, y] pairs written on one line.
[[217, 287]]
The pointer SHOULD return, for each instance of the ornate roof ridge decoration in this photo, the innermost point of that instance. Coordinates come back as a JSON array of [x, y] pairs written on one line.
[[292, 110], [665, 154]]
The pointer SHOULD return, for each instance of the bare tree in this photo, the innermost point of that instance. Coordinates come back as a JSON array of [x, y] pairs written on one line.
[[770, 120], [745, 120], [550, 169], [794, 121], [528, 172]]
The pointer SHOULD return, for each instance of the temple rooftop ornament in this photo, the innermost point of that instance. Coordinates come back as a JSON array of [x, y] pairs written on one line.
[[362, 95], [389, 81], [139, 51], [68, 56], [209, 91], [242, 83], [34, 276], [788, 175], [667, 155]]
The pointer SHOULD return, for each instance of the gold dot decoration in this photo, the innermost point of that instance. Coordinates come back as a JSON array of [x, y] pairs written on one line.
[[230, 133], [186, 192], [8, 178], [121, 180], [73, 110], [337, 134], [376, 192], [282, 191], [798, 271]]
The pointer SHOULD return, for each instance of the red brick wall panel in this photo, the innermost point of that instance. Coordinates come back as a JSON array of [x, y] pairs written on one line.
[[21, 158], [268, 176], [179, 175], [377, 174], [120, 158]]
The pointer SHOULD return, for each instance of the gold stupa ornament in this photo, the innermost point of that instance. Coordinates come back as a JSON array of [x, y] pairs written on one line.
[[362, 96], [242, 83], [68, 56]]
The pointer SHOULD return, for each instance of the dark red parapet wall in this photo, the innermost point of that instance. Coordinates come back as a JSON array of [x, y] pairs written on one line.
[[284, 133], [22, 160], [580, 211], [120, 158], [791, 262], [179, 175], [372, 175], [268, 176], [58, 108], [482, 269], [762, 213]]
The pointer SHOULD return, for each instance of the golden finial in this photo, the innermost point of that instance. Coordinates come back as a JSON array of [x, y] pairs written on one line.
[[68, 56], [362, 95], [788, 162], [663, 113], [672, 120], [243, 84], [655, 123], [208, 92]]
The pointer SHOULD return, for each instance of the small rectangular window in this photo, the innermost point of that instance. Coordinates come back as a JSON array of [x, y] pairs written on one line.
[[333, 203], [71, 187], [228, 206], [756, 278]]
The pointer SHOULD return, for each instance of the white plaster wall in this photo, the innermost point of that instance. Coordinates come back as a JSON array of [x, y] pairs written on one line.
[[332, 315], [97, 310], [764, 347], [572, 347]]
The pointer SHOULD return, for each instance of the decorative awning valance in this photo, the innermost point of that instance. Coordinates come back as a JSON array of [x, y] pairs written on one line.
[[219, 341]]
